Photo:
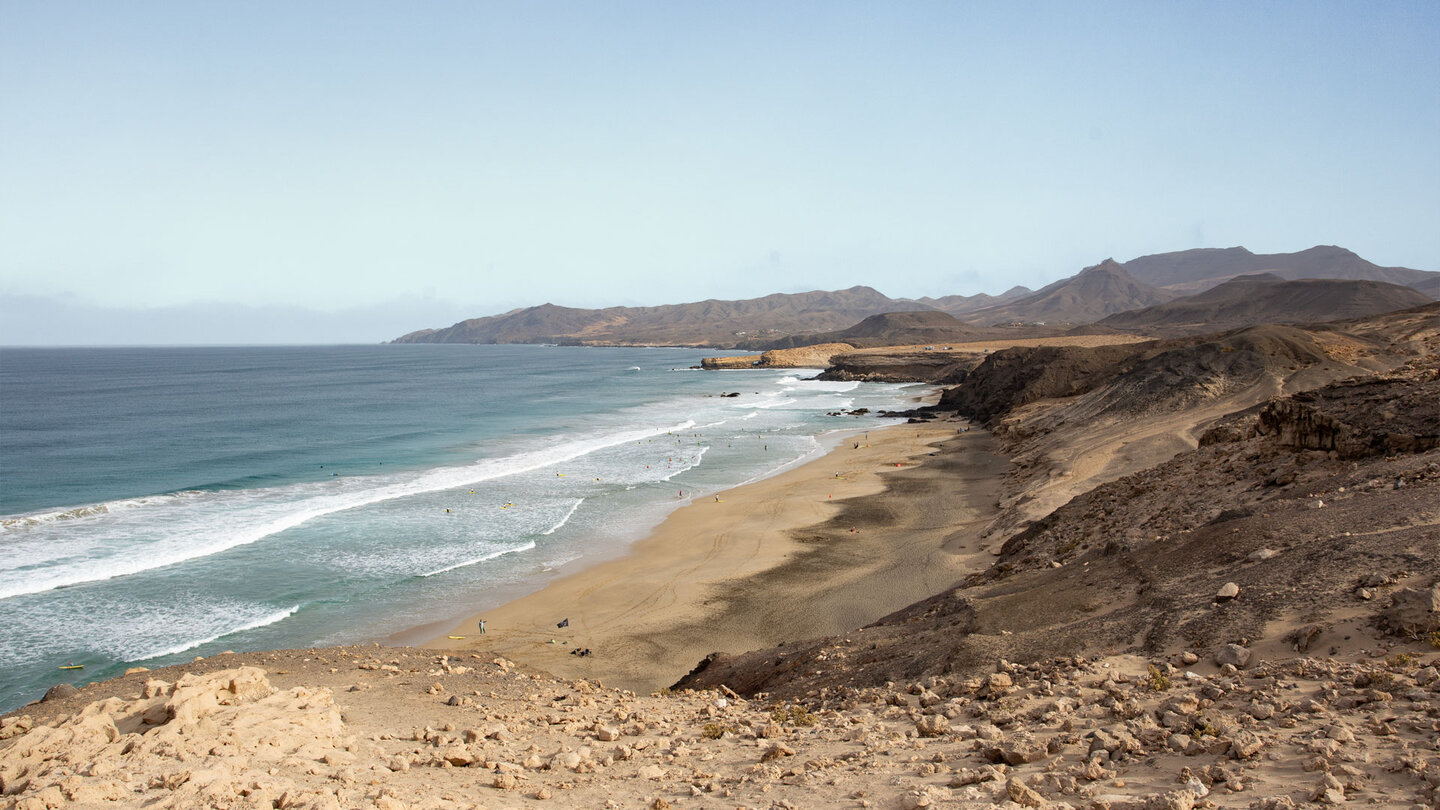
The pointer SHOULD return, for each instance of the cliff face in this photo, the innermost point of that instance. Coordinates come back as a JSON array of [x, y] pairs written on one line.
[[817, 356], [903, 366], [1250, 547], [1143, 378], [1354, 418]]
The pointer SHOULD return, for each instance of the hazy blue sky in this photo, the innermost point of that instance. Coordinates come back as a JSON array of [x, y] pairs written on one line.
[[209, 172]]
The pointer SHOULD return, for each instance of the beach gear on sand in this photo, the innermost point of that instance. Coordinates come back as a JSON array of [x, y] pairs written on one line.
[[563, 623]]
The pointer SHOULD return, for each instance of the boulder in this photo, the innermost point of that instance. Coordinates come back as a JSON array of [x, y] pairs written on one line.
[[58, 691], [1022, 794], [932, 725], [1413, 611], [1234, 655]]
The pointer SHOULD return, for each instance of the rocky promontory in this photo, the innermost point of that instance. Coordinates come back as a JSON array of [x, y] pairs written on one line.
[[819, 355]]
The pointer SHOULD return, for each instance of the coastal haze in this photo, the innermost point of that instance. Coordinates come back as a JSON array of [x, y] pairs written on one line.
[[174, 177], [639, 406]]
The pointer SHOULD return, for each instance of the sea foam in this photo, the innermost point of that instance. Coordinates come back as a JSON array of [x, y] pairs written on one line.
[[281, 509]]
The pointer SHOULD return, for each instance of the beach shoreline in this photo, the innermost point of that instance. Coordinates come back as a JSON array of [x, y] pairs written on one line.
[[873, 525]]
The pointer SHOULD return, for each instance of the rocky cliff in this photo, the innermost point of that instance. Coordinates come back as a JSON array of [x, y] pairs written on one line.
[[898, 366]]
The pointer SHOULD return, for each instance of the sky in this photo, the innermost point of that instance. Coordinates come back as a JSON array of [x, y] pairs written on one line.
[[308, 172]]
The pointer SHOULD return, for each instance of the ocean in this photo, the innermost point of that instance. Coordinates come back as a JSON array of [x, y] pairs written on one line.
[[162, 503]]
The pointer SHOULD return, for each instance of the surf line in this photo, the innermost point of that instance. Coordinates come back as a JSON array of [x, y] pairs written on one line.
[[565, 519], [49, 576]]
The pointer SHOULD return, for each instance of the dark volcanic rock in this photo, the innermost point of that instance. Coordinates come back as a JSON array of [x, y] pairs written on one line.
[[59, 691], [1138, 378], [1136, 564], [894, 367], [1360, 417]]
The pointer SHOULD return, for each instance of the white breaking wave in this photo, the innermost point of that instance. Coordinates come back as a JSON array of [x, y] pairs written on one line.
[[17, 522], [482, 558], [779, 403], [691, 463], [191, 542], [565, 519], [190, 645]]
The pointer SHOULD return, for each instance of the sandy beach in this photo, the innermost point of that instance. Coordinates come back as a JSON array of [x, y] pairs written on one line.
[[1275, 656], [797, 555]]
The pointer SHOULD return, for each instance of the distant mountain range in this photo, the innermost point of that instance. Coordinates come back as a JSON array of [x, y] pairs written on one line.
[[706, 323], [1085, 297], [1267, 298], [1192, 271], [894, 329], [1095, 295]]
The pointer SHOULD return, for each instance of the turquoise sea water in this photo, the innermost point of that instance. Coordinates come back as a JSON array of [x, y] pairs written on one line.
[[162, 503]]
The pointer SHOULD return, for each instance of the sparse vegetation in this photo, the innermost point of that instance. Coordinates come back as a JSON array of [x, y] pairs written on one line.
[[1382, 681], [1400, 660], [794, 714], [1159, 681], [714, 731]]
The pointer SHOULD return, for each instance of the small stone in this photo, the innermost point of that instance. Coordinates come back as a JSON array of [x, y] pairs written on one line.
[[1227, 592], [505, 781], [1022, 794], [777, 751], [1302, 637]]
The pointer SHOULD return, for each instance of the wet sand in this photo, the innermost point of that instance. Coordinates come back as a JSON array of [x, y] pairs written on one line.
[[826, 547]]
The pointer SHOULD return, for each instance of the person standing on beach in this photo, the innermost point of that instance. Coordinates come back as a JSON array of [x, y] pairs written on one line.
[[482, 627]]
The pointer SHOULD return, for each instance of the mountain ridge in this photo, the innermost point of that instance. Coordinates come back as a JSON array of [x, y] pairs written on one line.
[[1095, 293], [1253, 299]]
